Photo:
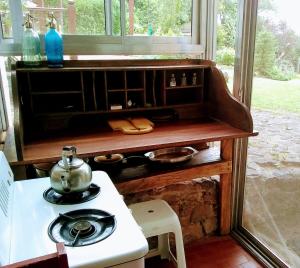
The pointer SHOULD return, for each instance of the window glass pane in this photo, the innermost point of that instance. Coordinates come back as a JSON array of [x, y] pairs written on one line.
[[5, 19], [116, 18], [272, 188], [74, 17], [227, 18], [160, 18]]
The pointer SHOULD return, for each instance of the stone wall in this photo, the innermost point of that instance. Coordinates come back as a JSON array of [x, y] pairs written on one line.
[[195, 202]]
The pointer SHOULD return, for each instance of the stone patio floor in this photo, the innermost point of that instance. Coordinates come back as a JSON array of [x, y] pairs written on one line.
[[272, 190]]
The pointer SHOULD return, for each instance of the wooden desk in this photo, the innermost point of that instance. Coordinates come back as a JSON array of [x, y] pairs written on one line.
[[205, 110]]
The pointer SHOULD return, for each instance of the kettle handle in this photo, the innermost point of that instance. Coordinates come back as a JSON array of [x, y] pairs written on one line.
[[68, 152]]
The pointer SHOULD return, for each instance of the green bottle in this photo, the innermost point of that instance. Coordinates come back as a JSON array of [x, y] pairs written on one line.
[[31, 46], [150, 29]]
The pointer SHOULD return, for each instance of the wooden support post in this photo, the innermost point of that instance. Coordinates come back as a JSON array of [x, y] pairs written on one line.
[[131, 16], [71, 17], [225, 189]]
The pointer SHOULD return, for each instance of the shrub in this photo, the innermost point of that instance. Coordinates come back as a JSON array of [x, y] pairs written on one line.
[[281, 72], [225, 56]]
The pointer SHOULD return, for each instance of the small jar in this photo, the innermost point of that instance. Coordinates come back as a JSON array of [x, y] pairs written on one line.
[[194, 80], [183, 80], [173, 81]]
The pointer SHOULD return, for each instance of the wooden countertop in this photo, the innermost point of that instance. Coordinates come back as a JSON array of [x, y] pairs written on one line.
[[105, 141]]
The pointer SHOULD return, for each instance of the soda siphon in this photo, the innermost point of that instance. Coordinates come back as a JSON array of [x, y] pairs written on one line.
[[31, 47], [53, 44]]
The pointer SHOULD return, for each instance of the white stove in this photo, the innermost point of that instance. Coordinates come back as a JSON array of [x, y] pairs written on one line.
[[25, 217]]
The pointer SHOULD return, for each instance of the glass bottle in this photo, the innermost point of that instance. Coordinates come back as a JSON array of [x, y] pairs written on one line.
[[194, 80], [150, 29], [53, 44], [31, 47], [172, 81], [183, 80]]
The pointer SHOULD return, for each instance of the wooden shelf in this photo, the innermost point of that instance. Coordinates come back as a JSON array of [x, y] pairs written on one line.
[[139, 109], [116, 90], [55, 92], [200, 161], [183, 87], [135, 89], [104, 141], [105, 65]]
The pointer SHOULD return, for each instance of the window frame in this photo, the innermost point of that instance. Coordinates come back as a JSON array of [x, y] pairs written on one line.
[[119, 45], [242, 90]]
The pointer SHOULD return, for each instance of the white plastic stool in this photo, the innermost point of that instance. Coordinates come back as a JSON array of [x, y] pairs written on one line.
[[157, 218]]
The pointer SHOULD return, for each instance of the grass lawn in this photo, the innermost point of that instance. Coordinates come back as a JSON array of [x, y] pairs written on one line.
[[274, 95]]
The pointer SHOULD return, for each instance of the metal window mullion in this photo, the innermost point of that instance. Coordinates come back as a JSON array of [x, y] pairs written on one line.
[[3, 114], [108, 16], [207, 27], [123, 17], [211, 26], [203, 22], [15, 7], [196, 10], [266, 257], [244, 51], [242, 88], [1, 30]]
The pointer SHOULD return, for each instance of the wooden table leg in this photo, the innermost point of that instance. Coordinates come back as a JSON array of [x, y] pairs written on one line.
[[225, 189]]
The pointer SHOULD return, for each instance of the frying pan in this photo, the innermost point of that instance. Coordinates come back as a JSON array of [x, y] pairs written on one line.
[[171, 155]]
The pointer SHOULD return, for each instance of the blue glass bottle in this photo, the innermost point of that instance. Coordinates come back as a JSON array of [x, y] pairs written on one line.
[[31, 48], [54, 45]]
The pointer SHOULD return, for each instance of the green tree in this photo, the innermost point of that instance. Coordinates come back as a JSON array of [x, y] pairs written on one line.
[[116, 20], [5, 18], [90, 17], [287, 40], [227, 18], [166, 17], [287, 44], [265, 50]]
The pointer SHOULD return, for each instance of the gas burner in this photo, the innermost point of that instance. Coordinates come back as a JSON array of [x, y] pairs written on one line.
[[82, 227], [74, 198]]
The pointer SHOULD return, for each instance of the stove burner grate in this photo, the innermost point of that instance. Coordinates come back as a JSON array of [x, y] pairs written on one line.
[[82, 227], [74, 198]]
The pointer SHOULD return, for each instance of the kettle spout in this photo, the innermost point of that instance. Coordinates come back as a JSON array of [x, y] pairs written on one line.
[[65, 184]]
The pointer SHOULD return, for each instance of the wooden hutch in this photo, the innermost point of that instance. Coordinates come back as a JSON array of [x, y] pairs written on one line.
[[71, 106]]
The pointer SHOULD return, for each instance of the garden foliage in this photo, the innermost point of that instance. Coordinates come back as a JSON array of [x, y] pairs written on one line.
[[277, 49]]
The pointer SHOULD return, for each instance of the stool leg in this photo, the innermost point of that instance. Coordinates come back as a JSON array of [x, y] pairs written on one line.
[[163, 246], [180, 255]]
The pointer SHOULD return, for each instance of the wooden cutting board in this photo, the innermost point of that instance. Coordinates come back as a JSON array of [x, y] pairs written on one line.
[[130, 126]]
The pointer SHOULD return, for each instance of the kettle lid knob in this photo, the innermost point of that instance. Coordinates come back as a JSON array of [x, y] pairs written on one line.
[[69, 159]]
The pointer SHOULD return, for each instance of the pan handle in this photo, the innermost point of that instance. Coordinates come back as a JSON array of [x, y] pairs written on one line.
[[194, 151], [147, 154]]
